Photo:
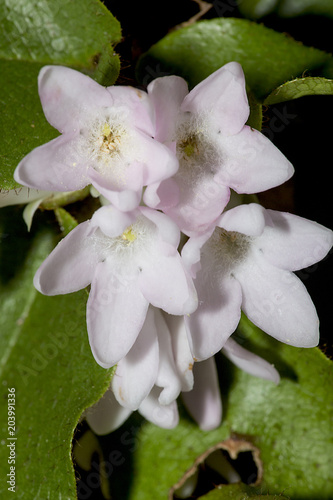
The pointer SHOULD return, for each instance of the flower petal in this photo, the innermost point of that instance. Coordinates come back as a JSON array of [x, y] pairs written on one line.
[[293, 242], [124, 200], [250, 362], [71, 265], [181, 350], [246, 219], [67, 95], [251, 163], [167, 377], [116, 311], [200, 204], [164, 416], [204, 401], [54, 166], [165, 283], [136, 105], [217, 316], [167, 94], [106, 415], [222, 95], [278, 302], [137, 371]]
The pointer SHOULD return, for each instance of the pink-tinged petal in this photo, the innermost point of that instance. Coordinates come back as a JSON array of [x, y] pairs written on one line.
[[71, 265], [68, 95], [191, 252], [168, 231], [116, 311], [164, 282], [222, 96], [54, 166], [277, 302], [158, 161], [204, 401], [106, 415], [111, 221], [251, 163], [246, 219], [162, 195], [136, 105], [167, 377], [200, 204], [293, 242], [167, 93], [165, 416], [124, 200], [137, 371], [217, 316], [181, 350], [250, 362]]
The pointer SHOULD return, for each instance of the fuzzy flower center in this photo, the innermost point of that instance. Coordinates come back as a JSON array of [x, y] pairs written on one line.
[[227, 249], [107, 142], [196, 151]]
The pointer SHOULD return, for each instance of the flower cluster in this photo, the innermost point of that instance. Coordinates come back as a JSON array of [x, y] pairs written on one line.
[[170, 259]]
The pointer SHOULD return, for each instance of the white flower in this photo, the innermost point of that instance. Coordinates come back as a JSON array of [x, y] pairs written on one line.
[[245, 262]]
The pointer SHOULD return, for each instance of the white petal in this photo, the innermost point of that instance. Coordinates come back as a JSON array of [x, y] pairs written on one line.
[[278, 302], [217, 315], [204, 401], [106, 415], [164, 416], [167, 94], [181, 350], [167, 377], [116, 311], [71, 265], [250, 362], [67, 95], [136, 373], [251, 163], [246, 219], [223, 96], [293, 242]]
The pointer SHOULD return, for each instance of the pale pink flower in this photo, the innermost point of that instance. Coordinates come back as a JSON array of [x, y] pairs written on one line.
[[246, 262], [106, 140], [216, 150], [131, 260], [150, 377]]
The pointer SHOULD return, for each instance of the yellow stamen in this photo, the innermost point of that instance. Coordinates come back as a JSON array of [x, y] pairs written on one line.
[[129, 235]]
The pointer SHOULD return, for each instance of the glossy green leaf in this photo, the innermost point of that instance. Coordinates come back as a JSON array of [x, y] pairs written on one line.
[[45, 357], [291, 425], [255, 9], [39, 32], [268, 58], [300, 87]]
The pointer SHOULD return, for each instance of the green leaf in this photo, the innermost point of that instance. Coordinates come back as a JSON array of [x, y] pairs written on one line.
[[255, 9], [268, 58], [78, 33], [291, 425], [239, 492], [46, 358], [300, 87]]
